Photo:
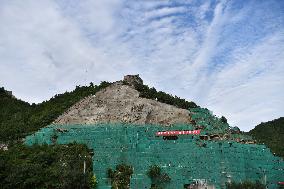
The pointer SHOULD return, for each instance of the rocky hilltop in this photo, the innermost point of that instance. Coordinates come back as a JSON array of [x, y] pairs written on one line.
[[120, 102]]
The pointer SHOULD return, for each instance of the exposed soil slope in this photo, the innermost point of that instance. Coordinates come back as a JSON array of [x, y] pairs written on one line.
[[121, 103]]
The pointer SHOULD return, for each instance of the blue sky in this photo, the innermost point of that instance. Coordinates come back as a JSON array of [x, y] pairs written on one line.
[[227, 56]]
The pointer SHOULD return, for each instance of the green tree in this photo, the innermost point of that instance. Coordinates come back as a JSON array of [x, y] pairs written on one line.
[[158, 179], [223, 119], [120, 177], [55, 166], [271, 133]]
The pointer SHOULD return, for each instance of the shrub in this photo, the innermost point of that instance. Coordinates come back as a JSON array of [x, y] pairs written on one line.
[[245, 185], [93, 182], [154, 172]]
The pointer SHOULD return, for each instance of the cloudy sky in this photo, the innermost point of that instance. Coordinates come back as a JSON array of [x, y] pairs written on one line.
[[227, 56]]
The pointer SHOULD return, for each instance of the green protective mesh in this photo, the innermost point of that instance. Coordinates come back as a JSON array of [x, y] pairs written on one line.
[[211, 124], [184, 159]]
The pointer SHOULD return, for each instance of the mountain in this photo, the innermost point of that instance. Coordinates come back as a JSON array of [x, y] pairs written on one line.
[[31, 167], [19, 119], [271, 133], [131, 128]]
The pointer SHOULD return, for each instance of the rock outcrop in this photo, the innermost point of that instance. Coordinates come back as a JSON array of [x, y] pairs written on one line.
[[121, 103]]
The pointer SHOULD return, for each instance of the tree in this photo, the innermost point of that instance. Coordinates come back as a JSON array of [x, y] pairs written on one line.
[[223, 119], [158, 179], [55, 166], [120, 178]]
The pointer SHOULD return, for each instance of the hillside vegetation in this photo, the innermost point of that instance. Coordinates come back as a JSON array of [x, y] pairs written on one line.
[[19, 119], [271, 133], [56, 166], [151, 93]]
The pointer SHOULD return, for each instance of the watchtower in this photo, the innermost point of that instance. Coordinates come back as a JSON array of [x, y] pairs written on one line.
[[133, 80]]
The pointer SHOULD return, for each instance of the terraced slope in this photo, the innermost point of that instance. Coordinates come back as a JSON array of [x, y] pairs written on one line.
[[189, 157]]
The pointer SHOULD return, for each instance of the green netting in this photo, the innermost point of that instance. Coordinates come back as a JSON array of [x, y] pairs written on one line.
[[210, 123], [184, 159]]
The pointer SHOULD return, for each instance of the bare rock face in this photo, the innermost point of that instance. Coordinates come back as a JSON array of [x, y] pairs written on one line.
[[121, 103]]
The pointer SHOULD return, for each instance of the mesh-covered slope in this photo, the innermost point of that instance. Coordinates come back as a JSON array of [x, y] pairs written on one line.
[[204, 118], [184, 159]]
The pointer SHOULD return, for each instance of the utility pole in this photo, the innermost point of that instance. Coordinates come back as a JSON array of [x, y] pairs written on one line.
[[84, 166], [265, 179], [84, 171]]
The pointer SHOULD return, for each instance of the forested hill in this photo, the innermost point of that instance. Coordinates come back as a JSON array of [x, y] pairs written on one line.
[[271, 133], [19, 118]]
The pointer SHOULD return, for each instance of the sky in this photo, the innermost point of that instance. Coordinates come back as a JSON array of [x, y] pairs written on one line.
[[227, 56]]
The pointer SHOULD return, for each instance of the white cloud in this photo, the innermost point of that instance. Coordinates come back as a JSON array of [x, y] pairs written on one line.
[[164, 11], [249, 89], [43, 53], [207, 52], [92, 16]]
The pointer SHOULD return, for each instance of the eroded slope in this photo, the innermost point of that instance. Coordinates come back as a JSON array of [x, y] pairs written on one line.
[[121, 103]]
